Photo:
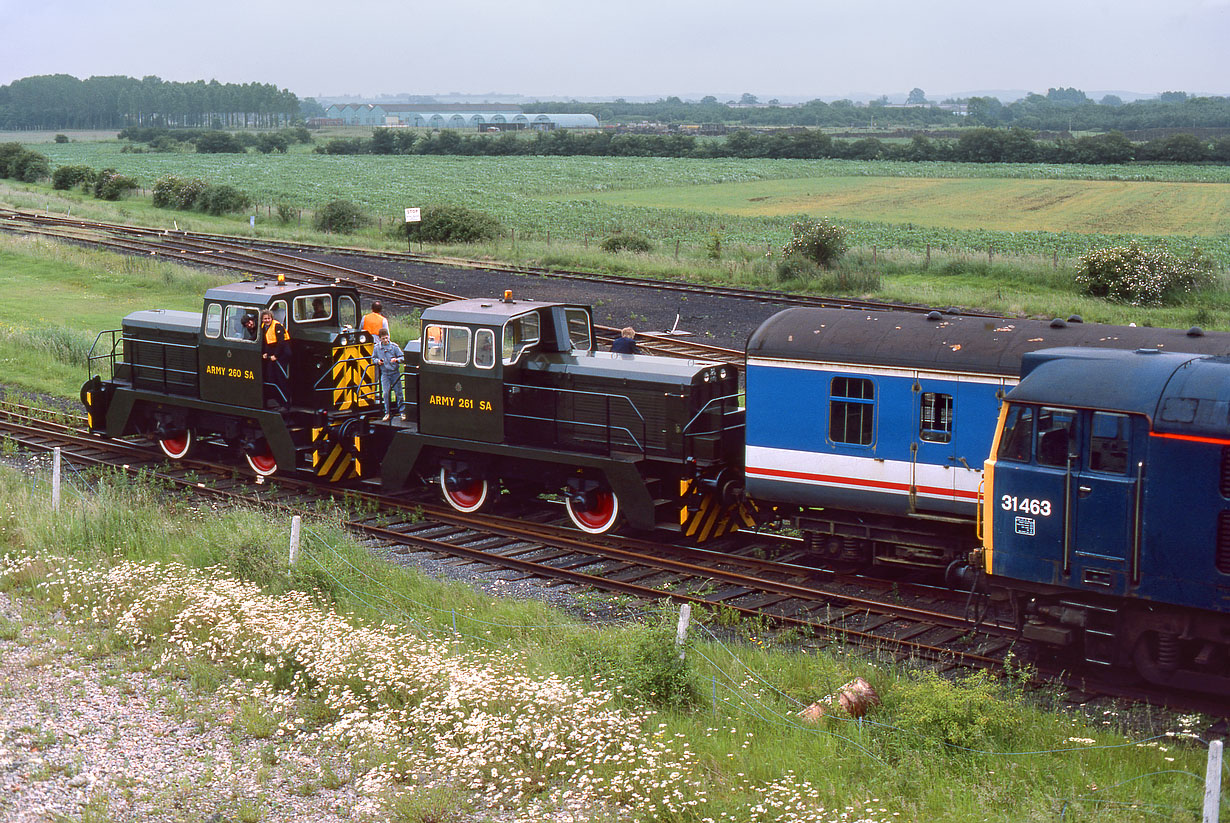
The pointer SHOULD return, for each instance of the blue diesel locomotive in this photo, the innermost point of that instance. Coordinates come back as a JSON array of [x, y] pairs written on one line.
[[1107, 510]]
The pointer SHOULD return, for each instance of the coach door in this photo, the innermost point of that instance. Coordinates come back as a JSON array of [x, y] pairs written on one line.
[[932, 456], [1104, 505]]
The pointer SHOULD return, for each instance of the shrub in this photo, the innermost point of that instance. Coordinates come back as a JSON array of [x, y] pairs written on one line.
[[61, 138], [969, 713], [1142, 276], [218, 142], [173, 192], [286, 213], [451, 224], [67, 177], [111, 185], [626, 242], [222, 199], [340, 216], [820, 241]]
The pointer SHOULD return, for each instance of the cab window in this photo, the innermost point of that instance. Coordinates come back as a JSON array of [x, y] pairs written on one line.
[[278, 308], [579, 331], [519, 334], [1017, 441], [213, 320], [1056, 436], [347, 311], [313, 308], [446, 345], [1109, 436], [233, 326], [484, 348]]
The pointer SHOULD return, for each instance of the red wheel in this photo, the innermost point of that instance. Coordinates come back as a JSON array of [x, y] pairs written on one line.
[[263, 464], [464, 496], [177, 446], [599, 517]]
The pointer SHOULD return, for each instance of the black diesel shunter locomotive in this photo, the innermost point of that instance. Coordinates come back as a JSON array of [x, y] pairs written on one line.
[[503, 396]]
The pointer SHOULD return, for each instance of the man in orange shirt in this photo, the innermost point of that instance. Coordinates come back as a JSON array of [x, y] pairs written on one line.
[[374, 321]]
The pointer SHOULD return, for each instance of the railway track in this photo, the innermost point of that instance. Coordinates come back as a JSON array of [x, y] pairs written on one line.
[[898, 621]]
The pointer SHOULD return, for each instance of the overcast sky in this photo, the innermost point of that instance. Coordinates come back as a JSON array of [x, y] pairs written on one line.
[[556, 49]]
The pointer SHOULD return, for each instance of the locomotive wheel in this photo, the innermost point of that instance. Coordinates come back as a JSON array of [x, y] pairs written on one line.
[[599, 517], [465, 497], [178, 445], [263, 464]]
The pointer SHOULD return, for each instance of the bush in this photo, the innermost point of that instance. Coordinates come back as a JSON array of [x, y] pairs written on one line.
[[61, 138], [222, 199], [1141, 276], [67, 177], [21, 164], [218, 142], [626, 242], [969, 713], [820, 241], [111, 185], [340, 216], [286, 213], [451, 224], [173, 192]]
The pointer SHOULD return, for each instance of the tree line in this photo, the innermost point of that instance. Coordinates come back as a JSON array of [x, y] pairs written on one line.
[[61, 101], [979, 145], [1061, 109]]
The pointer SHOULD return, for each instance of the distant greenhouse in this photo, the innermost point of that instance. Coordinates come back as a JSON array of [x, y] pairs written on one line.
[[481, 117]]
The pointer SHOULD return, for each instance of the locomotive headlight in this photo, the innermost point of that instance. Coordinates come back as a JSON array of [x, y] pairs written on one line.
[[707, 376], [724, 373]]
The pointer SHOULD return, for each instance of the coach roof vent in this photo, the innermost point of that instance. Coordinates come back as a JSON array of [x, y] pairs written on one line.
[[1195, 331], [935, 315]]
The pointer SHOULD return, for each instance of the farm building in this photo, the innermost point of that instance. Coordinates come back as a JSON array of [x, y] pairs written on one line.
[[483, 117]]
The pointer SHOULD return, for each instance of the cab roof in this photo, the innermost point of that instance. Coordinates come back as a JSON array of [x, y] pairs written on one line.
[[1179, 392], [266, 292], [488, 311]]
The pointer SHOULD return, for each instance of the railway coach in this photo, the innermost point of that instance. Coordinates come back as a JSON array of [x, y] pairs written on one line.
[[869, 429]]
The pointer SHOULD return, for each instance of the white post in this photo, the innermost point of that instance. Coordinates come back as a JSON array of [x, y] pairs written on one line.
[[1212, 783], [681, 631], [294, 539], [55, 480]]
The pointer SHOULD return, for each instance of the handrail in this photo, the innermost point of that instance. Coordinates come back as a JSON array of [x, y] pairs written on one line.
[[705, 408]]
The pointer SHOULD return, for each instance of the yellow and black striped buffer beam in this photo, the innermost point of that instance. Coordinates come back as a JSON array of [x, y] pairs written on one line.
[[703, 516], [332, 460]]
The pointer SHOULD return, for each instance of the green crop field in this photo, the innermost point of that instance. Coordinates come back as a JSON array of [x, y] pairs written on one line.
[[1013, 208], [1086, 206]]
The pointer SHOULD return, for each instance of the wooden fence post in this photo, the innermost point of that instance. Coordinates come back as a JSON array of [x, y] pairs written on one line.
[[55, 479], [295, 524], [1212, 783], [927, 264], [681, 631]]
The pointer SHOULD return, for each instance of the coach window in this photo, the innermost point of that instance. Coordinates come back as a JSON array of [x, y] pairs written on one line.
[[1056, 436], [1017, 441], [1109, 437], [935, 418], [213, 320], [446, 345], [851, 410], [519, 334]]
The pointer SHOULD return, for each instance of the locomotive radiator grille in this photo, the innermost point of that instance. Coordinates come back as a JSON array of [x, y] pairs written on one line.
[[1224, 485], [1222, 558]]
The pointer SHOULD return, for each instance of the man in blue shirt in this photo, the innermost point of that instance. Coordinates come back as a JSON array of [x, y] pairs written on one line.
[[388, 358], [626, 342]]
